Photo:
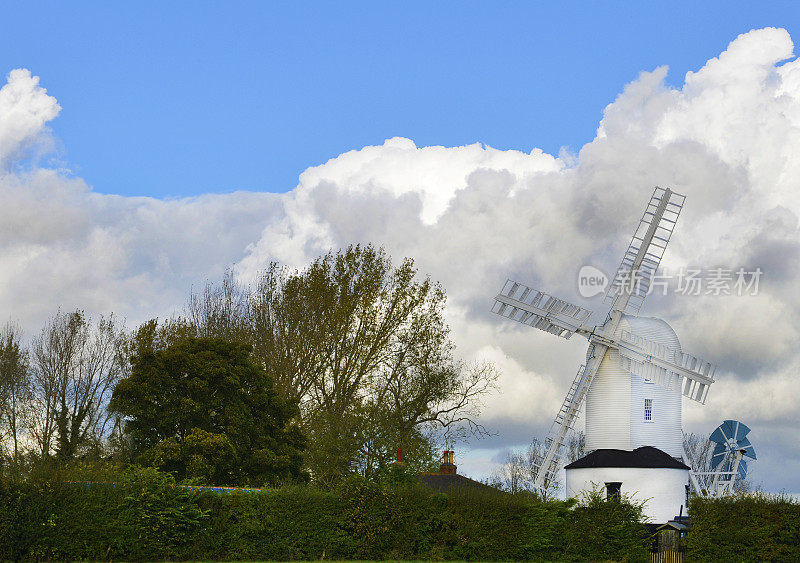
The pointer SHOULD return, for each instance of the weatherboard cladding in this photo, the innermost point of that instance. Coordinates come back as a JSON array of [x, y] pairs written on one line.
[[608, 419], [614, 404], [646, 457]]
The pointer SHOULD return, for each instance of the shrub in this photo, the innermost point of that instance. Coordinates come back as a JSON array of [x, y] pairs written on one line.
[[748, 527], [282, 524], [153, 518], [600, 529]]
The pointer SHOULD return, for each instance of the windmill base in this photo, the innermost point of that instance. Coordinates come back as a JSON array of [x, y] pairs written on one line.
[[644, 474]]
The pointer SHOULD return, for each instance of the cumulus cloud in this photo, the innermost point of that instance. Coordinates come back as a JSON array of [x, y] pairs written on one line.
[[471, 216], [25, 108], [63, 245]]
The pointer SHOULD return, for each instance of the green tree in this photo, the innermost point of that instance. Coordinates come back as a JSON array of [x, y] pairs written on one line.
[[362, 346], [200, 408]]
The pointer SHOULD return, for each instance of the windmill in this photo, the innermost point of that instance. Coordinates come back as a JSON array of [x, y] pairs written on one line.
[[728, 465], [635, 371]]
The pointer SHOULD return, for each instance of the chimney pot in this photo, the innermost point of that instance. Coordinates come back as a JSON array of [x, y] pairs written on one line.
[[448, 467]]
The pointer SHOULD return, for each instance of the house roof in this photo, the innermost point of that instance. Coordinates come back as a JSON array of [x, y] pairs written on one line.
[[674, 525], [646, 456], [443, 482]]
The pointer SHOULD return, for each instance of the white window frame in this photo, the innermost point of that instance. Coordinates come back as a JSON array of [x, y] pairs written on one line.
[[648, 410]]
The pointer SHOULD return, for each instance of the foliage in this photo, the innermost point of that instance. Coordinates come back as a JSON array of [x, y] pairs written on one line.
[[141, 516], [746, 527], [356, 349], [282, 524], [202, 409], [154, 517], [603, 529], [99, 513], [362, 345]]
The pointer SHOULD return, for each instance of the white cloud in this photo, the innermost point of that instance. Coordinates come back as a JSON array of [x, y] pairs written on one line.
[[524, 396], [64, 245], [472, 216], [399, 167], [728, 139], [25, 108]]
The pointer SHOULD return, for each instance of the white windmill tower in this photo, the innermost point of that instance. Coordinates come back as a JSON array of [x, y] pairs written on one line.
[[632, 382]]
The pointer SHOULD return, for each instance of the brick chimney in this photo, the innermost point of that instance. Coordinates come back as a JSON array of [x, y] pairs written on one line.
[[448, 467]]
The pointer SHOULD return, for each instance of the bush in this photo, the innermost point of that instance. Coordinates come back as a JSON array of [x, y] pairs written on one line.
[[141, 515], [283, 524], [600, 530], [152, 517], [748, 527]]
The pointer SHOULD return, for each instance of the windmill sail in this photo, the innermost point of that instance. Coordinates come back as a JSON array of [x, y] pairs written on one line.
[[539, 310], [547, 466], [548, 462], [635, 273], [666, 366]]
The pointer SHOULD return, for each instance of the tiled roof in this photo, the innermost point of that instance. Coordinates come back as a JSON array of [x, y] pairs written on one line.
[[442, 482]]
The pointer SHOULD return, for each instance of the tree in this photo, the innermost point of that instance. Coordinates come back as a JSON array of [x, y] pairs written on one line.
[[76, 364], [518, 471], [514, 474], [15, 388], [202, 409], [361, 346], [416, 397]]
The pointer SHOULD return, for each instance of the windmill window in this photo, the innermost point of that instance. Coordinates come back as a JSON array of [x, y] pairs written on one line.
[[648, 410], [613, 490]]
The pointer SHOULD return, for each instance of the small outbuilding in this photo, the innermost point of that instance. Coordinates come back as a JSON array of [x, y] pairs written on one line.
[[669, 540]]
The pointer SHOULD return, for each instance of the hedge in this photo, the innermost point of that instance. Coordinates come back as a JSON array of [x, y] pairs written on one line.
[[144, 515], [754, 527]]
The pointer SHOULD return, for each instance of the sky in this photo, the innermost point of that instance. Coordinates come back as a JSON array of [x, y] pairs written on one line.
[[182, 98], [144, 152]]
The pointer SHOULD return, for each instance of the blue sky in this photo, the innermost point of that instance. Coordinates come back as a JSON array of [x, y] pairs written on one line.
[[179, 98]]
